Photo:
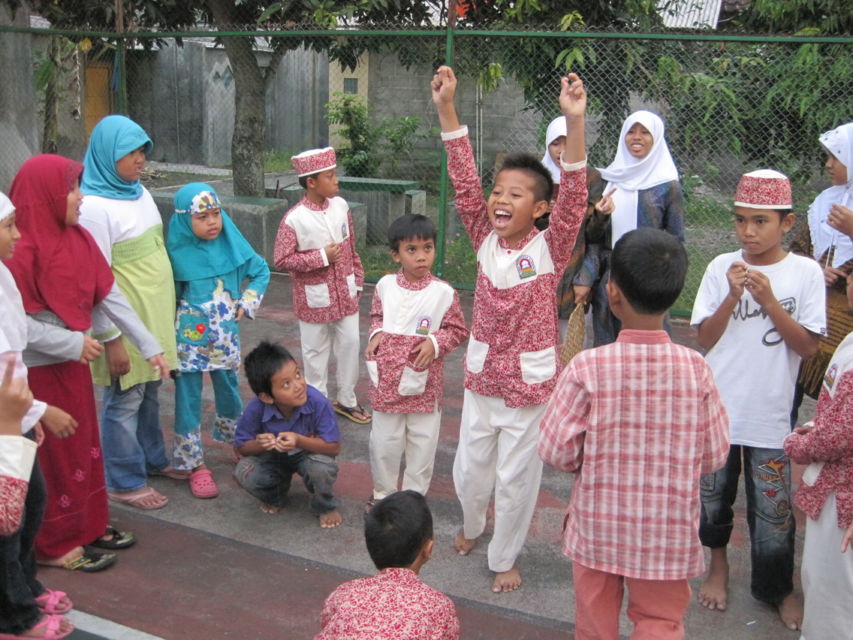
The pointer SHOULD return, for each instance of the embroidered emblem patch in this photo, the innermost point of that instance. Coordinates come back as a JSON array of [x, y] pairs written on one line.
[[344, 230], [525, 266], [424, 323], [829, 378]]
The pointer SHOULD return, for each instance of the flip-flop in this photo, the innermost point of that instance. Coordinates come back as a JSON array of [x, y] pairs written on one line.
[[349, 413], [90, 562], [118, 540], [134, 500], [49, 602], [202, 484], [50, 624]]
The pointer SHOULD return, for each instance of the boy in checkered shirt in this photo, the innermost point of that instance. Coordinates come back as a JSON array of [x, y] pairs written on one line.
[[638, 421]]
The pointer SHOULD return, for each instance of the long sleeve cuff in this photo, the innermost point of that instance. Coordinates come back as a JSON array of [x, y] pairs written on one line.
[[572, 166], [452, 135], [17, 455]]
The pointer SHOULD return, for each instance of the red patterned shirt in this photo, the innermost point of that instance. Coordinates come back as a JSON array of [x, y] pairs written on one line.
[[512, 350], [407, 313], [392, 605], [638, 421], [830, 442], [322, 292], [17, 455]]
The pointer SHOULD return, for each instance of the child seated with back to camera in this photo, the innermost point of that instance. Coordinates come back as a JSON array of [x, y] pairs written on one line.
[[637, 421], [415, 321], [512, 363], [288, 428], [394, 604]]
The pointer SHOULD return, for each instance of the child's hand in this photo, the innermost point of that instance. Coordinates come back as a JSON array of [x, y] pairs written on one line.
[[841, 218], [736, 275], [238, 315], [804, 429], [373, 345], [572, 96], [758, 285], [333, 252], [91, 349], [423, 353], [267, 441], [831, 275], [15, 400], [443, 86], [286, 441], [606, 205], [60, 423], [847, 540], [159, 363], [118, 361], [581, 293]]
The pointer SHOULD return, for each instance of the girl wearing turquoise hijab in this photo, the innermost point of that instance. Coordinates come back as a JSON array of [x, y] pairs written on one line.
[[211, 259]]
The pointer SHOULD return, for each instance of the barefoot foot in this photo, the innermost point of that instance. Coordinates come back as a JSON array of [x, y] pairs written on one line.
[[791, 611], [462, 544], [331, 519], [506, 581], [49, 625], [713, 594], [269, 509], [61, 561]]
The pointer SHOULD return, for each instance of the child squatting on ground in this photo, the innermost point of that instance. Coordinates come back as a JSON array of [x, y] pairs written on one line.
[[395, 603], [288, 428], [638, 421], [511, 364], [210, 259], [759, 311], [415, 321], [316, 244]]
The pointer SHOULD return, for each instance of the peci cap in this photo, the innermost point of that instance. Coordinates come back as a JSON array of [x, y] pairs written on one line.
[[764, 189], [314, 161]]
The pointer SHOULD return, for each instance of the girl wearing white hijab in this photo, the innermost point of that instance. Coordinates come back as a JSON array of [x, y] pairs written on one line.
[[826, 238], [642, 183]]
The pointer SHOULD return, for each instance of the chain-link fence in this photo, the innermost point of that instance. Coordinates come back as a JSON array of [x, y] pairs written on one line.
[[730, 104]]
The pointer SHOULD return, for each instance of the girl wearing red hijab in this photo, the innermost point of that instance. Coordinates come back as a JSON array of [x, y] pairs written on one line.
[[66, 285]]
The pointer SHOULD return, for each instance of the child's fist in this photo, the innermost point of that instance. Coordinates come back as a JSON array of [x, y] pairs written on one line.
[[91, 349], [736, 275], [443, 85], [572, 95], [15, 400], [333, 252]]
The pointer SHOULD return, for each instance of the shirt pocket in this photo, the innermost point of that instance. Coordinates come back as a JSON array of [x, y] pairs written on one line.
[[351, 285], [538, 366], [373, 372], [317, 295], [475, 358], [412, 382]]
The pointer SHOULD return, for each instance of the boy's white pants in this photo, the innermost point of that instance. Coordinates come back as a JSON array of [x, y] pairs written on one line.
[[497, 450], [319, 339], [391, 435]]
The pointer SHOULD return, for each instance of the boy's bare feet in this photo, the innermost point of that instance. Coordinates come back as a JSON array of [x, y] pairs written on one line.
[[713, 593], [507, 581], [462, 544], [331, 519], [269, 509], [49, 625], [791, 611]]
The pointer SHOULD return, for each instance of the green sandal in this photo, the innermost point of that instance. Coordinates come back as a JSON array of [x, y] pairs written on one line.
[[117, 539], [90, 562]]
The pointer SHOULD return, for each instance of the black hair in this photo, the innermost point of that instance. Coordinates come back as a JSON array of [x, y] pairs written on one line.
[[397, 528], [303, 180], [411, 225], [262, 363], [543, 183], [649, 266]]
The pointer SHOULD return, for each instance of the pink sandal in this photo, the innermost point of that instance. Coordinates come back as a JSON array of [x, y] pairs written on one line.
[[202, 484], [50, 602], [51, 625]]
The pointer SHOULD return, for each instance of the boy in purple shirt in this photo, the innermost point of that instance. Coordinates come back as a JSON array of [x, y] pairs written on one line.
[[290, 427]]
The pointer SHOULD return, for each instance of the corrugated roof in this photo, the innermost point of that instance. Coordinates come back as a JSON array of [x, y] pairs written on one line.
[[690, 14]]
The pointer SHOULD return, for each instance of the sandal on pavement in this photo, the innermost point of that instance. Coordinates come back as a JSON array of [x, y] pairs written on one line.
[[90, 562], [357, 413], [136, 499], [50, 602], [202, 484], [170, 472], [51, 626], [114, 539]]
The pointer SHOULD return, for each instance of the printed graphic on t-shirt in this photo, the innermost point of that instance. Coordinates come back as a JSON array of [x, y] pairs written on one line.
[[747, 309]]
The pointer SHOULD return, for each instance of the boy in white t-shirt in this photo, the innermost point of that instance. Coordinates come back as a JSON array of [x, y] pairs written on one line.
[[758, 311]]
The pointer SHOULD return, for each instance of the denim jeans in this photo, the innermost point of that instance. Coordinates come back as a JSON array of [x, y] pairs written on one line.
[[767, 480], [131, 437], [268, 476]]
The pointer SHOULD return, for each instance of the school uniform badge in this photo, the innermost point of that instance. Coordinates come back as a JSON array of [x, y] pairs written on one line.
[[424, 323], [829, 378], [525, 266], [344, 231]]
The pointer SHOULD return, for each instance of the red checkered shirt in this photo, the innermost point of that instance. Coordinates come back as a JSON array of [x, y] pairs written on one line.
[[322, 292], [639, 421], [512, 348], [392, 605]]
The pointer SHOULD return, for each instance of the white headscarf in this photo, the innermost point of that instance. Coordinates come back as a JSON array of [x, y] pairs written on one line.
[[13, 329], [630, 174], [839, 142], [556, 129]]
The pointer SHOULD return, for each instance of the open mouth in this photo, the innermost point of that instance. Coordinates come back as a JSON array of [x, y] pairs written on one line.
[[502, 218]]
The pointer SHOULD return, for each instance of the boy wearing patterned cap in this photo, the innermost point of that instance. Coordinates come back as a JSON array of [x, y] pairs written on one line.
[[758, 311], [316, 244]]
